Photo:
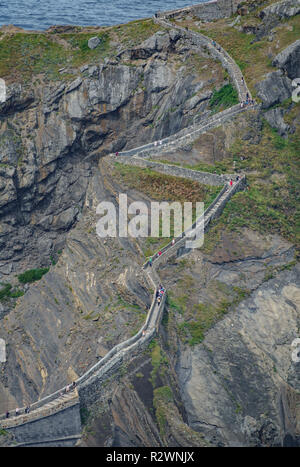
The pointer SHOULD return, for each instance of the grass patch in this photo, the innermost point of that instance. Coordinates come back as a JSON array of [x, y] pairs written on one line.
[[158, 361], [162, 396], [251, 56], [193, 320], [7, 291], [135, 32], [163, 187], [272, 202], [26, 54], [224, 98]]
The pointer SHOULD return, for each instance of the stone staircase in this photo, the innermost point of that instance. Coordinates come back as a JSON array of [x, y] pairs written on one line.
[[63, 401], [60, 400], [187, 135], [215, 50]]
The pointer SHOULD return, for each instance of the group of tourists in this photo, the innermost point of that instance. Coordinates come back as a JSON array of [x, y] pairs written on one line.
[[150, 260], [231, 182], [248, 101], [68, 388], [159, 294], [18, 411]]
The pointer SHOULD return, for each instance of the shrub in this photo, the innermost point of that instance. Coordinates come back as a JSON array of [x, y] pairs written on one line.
[[32, 275], [6, 292], [225, 97]]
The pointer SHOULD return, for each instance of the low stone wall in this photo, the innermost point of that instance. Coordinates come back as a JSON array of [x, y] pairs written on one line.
[[202, 177], [53, 422], [208, 11], [213, 211], [59, 422], [185, 136], [64, 425]]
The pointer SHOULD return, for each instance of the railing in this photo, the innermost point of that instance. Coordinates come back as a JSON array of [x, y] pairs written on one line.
[[186, 135]]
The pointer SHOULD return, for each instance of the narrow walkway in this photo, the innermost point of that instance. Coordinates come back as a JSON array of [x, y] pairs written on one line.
[[215, 50], [189, 134], [62, 399]]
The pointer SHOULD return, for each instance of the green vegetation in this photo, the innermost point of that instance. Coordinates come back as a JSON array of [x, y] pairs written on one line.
[[7, 291], [249, 54], [27, 54], [220, 167], [158, 360], [271, 202], [193, 320], [224, 98], [135, 32], [163, 187], [162, 396], [32, 275]]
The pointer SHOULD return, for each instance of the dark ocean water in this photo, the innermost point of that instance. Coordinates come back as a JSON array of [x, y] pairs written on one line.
[[40, 14]]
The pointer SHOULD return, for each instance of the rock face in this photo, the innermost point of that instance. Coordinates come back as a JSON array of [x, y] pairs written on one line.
[[283, 9], [52, 133], [275, 118], [274, 89], [240, 386], [273, 14], [244, 393], [289, 60]]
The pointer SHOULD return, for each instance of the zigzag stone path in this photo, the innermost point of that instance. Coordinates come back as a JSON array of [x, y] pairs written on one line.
[[61, 400]]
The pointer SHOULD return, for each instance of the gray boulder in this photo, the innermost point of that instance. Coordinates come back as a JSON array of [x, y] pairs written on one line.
[[274, 89], [93, 42], [284, 9], [289, 60], [160, 41], [275, 118]]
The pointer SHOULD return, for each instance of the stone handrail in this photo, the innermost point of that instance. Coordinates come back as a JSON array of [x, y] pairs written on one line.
[[62, 402], [185, 136], [206, 178], [226, 193]]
